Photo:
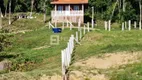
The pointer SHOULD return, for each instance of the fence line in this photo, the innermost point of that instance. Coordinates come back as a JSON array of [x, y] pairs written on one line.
[[50, 25], [66, 54]]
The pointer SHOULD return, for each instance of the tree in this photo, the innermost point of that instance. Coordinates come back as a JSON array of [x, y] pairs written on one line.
[[45, 10], [6, 5], [9, 12], [140, 14], [0, 19], [32, 4]]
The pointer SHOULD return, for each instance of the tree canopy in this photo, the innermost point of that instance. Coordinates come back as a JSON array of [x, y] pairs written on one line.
[[103, 8]]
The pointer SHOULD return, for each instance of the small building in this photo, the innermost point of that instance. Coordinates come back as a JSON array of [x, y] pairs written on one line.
[[68, 10]]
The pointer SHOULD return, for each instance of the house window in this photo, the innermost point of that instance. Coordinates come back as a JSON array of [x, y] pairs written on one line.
[[67, 8], [76, 7], [60, 8]]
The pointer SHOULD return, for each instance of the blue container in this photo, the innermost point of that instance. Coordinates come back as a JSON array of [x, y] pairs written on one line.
[[57, 30]]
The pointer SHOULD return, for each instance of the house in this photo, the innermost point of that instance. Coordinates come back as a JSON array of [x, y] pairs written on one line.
[[68, 10]]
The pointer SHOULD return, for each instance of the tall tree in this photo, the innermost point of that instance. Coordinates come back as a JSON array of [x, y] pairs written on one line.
[[9, 12], [140, 5], [32, 5], [45, 10], [0, 19], [6, 5]]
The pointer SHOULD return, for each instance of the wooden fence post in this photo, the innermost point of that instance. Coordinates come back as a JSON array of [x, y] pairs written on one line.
[[77, 36], [140, 25], [105, 25], [122, 26], [109, 25], [79, 25], [72, 41], [69, 57], [129, 25]]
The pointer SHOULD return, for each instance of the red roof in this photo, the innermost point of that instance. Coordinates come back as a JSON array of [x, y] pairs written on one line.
[[69, 2]]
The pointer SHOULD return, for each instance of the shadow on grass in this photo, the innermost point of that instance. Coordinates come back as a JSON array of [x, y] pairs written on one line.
[[2, 57]]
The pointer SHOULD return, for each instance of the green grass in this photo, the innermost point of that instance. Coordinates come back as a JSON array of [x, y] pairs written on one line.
[[28, 60], [100, 41], [23, 47]]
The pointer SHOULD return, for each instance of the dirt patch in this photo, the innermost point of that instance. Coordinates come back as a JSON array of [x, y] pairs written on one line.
[[110, 60], [55, 77], [79, 75], [76, 75]]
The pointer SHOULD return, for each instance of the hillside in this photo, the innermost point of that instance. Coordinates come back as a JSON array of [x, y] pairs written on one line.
[[102, 55]]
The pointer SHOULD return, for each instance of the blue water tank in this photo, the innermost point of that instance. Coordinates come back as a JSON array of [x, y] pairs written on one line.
[[57, 30]]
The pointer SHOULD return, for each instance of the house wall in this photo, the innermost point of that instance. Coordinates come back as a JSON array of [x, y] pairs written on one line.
[[71, 18]]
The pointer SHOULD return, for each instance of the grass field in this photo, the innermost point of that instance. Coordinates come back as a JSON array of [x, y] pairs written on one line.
[[31, 51], [32, 55], [98, 43]]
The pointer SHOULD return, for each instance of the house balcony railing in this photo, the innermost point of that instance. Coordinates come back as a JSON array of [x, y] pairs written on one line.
[[67, 13]]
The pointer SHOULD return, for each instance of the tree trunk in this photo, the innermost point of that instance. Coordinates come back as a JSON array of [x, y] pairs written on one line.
[[10, 12], [124, 5], [114, 10], [5, 12], [32, 4], [0, 19], [140, 14], [45, 11]]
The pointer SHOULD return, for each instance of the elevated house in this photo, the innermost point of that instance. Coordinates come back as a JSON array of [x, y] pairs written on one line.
[[68, 10]]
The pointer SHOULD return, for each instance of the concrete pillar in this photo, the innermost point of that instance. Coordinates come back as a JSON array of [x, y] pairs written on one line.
[[140, 25], [109, 25], [129, 25], [122, 26], [105, 23]]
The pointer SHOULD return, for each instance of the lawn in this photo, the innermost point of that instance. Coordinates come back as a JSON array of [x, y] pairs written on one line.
[[31, 52], [100, 42]]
